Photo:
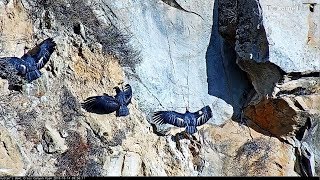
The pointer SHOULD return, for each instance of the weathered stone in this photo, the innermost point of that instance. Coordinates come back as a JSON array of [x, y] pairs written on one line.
[[306, 160], [308, 147], [11, 161], [101, 127], [243, 151], [293, 38], [309, 103], [4, 85], [52, 141], [113, 166], [178, 69], [227, 18], [278, 116], [173, 83], [292, 103], [13, 16], [131, 164], [226, 80], [299, 86]]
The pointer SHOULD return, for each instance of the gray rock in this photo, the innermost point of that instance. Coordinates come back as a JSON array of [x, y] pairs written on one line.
[[113, 166], [52, 141], [185, 61], [293, 43], [131, 164], [11, 161], [167, 79]]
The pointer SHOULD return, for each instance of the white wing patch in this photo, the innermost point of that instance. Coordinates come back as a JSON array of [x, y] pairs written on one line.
[[23, 68], [40, 63], [168, 117], [180, 121], [204, 115]]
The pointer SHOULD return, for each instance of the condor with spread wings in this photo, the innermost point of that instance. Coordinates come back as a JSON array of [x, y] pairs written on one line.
[[107, 104], [190, 120], [30, 63]]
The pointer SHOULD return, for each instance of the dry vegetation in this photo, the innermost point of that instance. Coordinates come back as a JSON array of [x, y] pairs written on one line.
[[74, 160], [75, 12], [8, 71]]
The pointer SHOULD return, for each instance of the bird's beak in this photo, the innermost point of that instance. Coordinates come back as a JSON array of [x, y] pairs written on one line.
[[25, 50], [121, 85], [117, 88]]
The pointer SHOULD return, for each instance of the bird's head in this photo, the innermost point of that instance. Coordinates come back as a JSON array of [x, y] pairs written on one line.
[[117, 89], [25, 50]]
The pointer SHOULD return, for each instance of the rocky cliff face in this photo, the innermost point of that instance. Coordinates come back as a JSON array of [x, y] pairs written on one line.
[[254, 62]]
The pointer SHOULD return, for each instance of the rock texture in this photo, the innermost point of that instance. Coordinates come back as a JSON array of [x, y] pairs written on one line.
[[173, 82], [297, 29], [11, 163], [289, 109], [278, 107], [174, 54]]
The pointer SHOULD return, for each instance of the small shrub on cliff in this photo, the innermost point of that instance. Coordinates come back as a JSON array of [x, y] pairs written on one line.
[[70, 14], [73, 162], [249, 149], [93, 168], [81, 157], [257, 156], [32, 125], [117, 138], [8, 71]]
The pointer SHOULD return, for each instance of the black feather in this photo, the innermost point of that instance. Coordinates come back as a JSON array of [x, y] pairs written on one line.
[[29, 64], [205, 115], [127, 93], [188, 119], [100, 104], [169, 117], [107, 104]]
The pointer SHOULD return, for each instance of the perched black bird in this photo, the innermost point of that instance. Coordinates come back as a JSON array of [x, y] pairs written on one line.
[[107, 104], [30, 63], [188, 119]]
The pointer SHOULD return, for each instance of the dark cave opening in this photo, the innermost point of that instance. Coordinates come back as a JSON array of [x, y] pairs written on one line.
[[225, 78]]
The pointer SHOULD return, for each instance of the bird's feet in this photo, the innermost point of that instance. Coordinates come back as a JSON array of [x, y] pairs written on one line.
[[177, 139], [196, 142], [192, 139], [194, 145]]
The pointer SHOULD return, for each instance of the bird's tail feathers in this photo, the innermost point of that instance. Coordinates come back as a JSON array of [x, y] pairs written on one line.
[[87, 105], [123, 111], [49, 44], [191, 129], [33, 75]]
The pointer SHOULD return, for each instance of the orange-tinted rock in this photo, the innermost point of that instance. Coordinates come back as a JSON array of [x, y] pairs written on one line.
[[278, 116], [246, 152], [292, 103]]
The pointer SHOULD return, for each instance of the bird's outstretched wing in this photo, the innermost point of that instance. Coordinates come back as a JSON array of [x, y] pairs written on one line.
[[169, 117], [100, 104], [203, 115], [127, 93], [18, 63], [42, 52]]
